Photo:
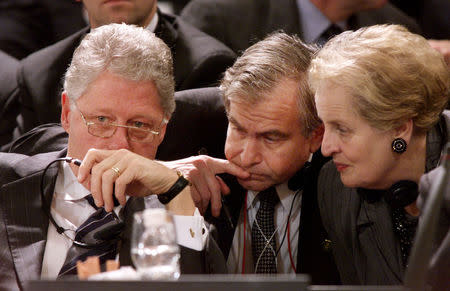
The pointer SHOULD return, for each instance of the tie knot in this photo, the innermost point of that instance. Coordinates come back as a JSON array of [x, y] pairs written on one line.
[[90, 200], [268, 198]]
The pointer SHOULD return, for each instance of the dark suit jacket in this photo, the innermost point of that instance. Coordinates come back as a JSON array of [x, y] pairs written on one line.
[[439, 267], [198, 123], [313, 257], [199, 61], [29, 25], [365, 248], [240, 23], [23, 223], [8, 106]]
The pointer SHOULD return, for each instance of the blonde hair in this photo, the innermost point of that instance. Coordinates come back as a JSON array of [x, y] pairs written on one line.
[[392, 74], [126, 50], [263, 65]]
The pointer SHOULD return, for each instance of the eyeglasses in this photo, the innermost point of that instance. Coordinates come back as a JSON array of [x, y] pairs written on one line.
[[141, 132]]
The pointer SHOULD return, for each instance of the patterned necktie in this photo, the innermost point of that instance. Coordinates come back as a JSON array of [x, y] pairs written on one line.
[[263, 233], [101, 244], [331, 31]]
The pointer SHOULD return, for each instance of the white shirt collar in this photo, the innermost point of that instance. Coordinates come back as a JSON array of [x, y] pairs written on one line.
[[313, 22], [67, 186], [283, 192], [153, 23]]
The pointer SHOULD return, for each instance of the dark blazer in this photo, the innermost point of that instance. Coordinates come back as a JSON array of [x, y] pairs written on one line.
[[365, 248], [240, 23], [199, 61], [313, 257], [439, 265], [9, 107], [23, 223], [29, 25], [198, 123]]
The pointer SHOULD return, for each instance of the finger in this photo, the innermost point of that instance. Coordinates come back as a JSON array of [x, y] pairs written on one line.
[[92, 157], [108, 179], [201, 187], [214, 191], [196, 198], [224, 189], [96, 185], [126, 177], [219, 166], [103, 162], [216, 203]]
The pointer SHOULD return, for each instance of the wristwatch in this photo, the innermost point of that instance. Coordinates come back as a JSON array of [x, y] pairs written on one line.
[[176, 188]]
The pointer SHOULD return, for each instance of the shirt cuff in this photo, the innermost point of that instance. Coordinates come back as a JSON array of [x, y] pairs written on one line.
[[191, 231]]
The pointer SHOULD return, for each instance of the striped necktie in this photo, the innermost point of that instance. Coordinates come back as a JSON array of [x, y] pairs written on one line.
[[101, 232]]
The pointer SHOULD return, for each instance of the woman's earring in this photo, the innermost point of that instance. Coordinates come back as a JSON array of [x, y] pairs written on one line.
[[399, 145]]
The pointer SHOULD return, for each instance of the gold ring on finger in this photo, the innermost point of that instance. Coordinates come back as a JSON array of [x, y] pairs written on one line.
[[116, 170]]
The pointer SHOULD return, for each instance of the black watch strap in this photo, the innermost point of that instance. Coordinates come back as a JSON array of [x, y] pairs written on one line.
[[176, 188]]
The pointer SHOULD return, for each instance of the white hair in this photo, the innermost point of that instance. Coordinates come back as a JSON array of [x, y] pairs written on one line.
[[126, 50]]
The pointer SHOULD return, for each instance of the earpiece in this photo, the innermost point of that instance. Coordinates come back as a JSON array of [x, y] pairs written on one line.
[[297, 182], [402, 193]]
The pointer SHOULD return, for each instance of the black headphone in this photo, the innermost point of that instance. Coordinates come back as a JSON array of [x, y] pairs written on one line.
[[399, 195], [298, 181]]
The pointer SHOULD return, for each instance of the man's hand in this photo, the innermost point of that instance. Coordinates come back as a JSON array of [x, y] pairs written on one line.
[[206, 187], [131, 174]]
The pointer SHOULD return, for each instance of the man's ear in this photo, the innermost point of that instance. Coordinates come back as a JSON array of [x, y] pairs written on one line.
[[316, 137], [404, 131], [65, 110]]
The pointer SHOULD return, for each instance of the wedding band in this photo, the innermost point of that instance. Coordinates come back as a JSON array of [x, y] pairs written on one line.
[[116, 170]]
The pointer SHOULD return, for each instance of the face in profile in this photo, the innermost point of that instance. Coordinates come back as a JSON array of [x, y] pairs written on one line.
[[361, 153], [138, 12], [113, 99], [266, 138]]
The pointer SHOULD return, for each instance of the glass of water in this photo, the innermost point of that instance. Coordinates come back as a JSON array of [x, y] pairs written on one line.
[[154, 249]]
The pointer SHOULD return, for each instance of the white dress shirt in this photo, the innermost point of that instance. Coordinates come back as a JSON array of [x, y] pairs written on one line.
[[313, 22], [281, 210], [70, 210]]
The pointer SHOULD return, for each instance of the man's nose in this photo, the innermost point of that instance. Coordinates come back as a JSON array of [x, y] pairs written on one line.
[[119, 140], [250, 154]]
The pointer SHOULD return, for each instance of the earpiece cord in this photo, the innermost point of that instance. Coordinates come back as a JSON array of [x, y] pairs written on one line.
[[287, 224], [284, 235], [46, 205]]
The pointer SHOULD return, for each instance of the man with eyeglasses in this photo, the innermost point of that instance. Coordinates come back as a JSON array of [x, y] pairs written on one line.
[[117, 100]]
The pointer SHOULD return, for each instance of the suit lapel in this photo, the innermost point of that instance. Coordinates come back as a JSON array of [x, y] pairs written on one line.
[[26, 223], [375, 234]]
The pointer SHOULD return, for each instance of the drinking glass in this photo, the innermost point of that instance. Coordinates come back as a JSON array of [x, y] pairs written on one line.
[[154, 249]]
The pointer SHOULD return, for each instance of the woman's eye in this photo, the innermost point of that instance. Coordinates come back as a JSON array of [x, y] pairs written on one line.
[[342, 130]]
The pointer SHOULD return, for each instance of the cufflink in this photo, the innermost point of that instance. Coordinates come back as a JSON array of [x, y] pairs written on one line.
[[192, 232], [326, 245]]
